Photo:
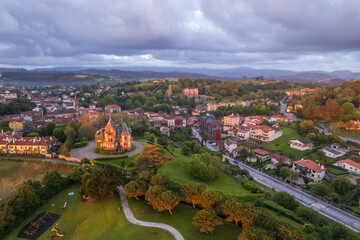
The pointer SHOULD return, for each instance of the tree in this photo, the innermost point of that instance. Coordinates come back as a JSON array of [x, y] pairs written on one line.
[[162, 141], [149, 137], [285, 232], [253, 233], [233, 210], [204, 166], [136, 188], [286, 200], [158, 180], [192, 192], [294, 176], [309, 108], [145, 175], [204, 137], [100, 182], [321, 190], [206, 220], [284, 172], [211, 198], [348, 108], [341, 185], [50, 127], [152, 157], [306, 127], [153, 192], [331, 111], [309, 228], [166, 200]]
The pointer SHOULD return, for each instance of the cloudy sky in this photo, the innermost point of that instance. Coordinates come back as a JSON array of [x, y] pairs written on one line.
[[281, 34]]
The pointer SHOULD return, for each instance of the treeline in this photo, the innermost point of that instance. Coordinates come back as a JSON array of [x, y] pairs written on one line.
[[28, 197], [332, 103], [16, 106]]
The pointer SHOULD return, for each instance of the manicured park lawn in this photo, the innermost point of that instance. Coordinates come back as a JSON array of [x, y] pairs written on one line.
[[182, 221], [129, 161], [101, 219], [280, 144], [14, 173], [178, 170]]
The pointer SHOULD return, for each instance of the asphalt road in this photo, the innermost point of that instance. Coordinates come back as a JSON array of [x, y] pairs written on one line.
[[332, 212]]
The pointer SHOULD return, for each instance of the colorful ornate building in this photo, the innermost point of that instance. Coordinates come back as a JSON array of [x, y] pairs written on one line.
[[114, 138]]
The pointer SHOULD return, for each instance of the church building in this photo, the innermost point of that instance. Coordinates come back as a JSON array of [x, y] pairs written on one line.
[[114, 138]]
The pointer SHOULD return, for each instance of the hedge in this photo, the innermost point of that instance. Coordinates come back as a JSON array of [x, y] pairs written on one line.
[[106, 152], [111, 158], [80, 144], [283, 211]]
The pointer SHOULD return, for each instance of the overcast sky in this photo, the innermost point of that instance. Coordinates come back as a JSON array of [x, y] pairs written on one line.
[[280, 34]]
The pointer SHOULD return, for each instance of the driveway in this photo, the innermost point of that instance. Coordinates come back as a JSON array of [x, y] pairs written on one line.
[[89, 153]]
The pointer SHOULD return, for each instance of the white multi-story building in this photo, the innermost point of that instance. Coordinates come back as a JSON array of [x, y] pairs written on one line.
[[349, 165], [307, 168]]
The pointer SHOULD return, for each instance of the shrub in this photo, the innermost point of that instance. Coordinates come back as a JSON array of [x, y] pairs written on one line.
[[286, 200], [205, 166]]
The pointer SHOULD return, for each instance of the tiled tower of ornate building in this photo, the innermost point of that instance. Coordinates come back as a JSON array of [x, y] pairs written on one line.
[[114, 138]]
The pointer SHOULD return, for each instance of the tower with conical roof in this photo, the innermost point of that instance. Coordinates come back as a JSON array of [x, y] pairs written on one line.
[[76, 104], [168, 93], [114, 138]]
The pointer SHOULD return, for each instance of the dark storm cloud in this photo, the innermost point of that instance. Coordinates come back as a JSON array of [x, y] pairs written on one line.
[[218, 33]]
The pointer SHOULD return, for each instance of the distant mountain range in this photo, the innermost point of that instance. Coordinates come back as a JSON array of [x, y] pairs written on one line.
[[137, 73]]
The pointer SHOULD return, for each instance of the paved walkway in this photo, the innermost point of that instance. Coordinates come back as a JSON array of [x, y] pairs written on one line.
[[130, 217], [88, 151]]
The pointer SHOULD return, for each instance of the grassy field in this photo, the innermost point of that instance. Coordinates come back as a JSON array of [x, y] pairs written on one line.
[[280, 144], [101, 219], [336, 171], [178, 170], [14, 173], [182, 221], [343, 132]]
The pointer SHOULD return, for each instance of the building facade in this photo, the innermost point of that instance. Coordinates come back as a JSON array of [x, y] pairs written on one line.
[[190, 92], [309, 169], [114, 138]]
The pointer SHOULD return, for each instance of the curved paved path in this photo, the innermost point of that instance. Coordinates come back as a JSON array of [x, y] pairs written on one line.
[[130, 217], [88, 151]]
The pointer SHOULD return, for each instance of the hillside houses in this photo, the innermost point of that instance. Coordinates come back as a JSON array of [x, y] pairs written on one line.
[[309, 169]]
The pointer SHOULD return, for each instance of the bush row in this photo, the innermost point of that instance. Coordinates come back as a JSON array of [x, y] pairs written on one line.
[[111, 158], [282, 211]]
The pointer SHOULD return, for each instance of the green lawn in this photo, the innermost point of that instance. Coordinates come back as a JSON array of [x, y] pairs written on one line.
[[182, 221], [336, 171], [178, 170], [101, 219], [280, 144], [129, 161]]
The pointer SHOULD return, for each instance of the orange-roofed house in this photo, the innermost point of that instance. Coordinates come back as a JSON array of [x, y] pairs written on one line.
[[309, 169], [349, 165], [260, 154]]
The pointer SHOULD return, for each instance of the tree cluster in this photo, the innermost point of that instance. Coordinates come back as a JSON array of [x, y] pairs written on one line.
[[28, 197]]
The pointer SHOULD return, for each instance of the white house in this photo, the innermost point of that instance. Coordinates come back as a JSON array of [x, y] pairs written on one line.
[[307, 168], [332, 153], [276, 159], [243, 132], [230, 145], [112, 108], [260, 154], [349, 165], [301, 144]]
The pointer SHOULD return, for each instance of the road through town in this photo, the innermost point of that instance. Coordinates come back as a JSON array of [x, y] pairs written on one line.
[[332, 212]]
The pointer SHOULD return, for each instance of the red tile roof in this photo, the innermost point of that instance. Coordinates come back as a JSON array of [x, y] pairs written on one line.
[[280, 158], [112, 106], [310, 165], [261, 151], [350, 162]]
